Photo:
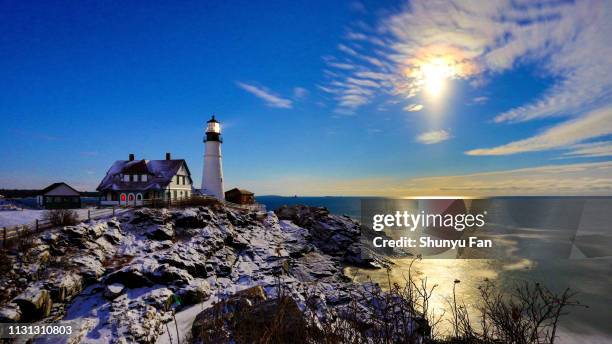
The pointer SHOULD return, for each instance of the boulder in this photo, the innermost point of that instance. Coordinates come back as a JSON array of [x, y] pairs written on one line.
[[161, 299], [112, 291], [129, 277], [161, 232], [189, 260], [236, 241], [40, 253], [214, 324], [89, 266], [192, 219], [75, 235], [195, 293], [146, 215], [249, 316], [301, 215], [10, 313], [254, 294], [96, 230], [34, 303], [168, 274], [113, 234], [66, 286], [282, 315]]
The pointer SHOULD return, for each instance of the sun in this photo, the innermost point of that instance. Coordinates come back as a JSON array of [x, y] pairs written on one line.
[[431, 70], [435, 75]]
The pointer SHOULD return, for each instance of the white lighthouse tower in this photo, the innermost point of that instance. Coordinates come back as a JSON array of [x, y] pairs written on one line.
[[212, 177]]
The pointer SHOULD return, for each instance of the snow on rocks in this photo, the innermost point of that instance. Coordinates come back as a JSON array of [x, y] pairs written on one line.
[[64, 285], [112, 291], [34, 303], [124, 277], [10, 313]]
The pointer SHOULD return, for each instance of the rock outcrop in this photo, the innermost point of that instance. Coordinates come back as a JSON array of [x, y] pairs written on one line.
[[126, 277]]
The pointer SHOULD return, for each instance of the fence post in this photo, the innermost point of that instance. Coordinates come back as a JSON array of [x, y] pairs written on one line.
[[37, 225], [113, 211], [88, 214], [4, 237]]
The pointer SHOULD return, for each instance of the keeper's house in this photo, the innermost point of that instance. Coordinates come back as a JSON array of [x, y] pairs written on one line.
[[130, 182], [59, 196]]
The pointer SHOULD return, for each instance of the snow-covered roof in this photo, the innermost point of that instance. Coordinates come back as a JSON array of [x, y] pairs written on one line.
[[67, 189], [159, 172]]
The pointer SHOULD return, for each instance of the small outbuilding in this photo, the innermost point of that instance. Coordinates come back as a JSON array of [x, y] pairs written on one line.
[[59, 196], [240, 196]]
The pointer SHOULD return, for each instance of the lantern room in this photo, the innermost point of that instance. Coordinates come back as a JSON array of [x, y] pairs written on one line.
[[213, 130], [213, 126]]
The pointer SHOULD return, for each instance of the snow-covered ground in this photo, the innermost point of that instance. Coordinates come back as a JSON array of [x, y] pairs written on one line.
[[9, 218]]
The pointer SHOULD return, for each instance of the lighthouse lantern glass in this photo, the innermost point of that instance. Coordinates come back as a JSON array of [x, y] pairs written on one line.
[[213, 127]]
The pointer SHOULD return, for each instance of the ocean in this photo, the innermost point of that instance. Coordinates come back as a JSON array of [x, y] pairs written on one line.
[[590, 276]]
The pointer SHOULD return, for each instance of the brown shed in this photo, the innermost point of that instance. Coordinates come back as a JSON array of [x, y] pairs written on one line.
[[240, 196]]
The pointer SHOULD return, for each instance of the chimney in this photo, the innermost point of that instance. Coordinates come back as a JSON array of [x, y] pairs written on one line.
[[131, 156], [168, 156]]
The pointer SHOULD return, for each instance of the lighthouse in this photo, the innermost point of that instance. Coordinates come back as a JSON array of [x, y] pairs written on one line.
[[212, 176]]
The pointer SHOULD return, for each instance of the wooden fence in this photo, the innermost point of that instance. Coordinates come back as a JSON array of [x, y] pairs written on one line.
[[8, 234]]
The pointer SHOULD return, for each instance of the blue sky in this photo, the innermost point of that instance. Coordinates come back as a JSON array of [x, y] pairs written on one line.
[[318, 97]]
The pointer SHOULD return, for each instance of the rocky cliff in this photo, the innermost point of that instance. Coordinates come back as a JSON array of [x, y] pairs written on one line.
[[126, 279]]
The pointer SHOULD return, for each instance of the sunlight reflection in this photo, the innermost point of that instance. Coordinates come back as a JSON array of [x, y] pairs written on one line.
[[470, 272]]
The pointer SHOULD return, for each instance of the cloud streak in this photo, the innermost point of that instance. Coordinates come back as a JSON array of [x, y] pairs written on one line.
[[434, 136], [595, 124], [270, 98], [414, 107], [568, 42]]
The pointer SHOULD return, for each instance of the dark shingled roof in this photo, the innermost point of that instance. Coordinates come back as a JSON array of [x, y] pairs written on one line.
[[160, 173], [55, 185]]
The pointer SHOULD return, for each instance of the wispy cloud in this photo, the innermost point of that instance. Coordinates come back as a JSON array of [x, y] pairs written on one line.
[[480, 100], [414, 107], [271, 99], [347, 50], [568, 41], [434, 136], [595, 124], [590, 150], [299, 93]]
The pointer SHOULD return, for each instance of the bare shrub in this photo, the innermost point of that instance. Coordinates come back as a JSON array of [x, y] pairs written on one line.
[[399, 315], [528, 315], [5, 261], [62, 217]]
